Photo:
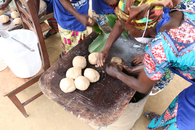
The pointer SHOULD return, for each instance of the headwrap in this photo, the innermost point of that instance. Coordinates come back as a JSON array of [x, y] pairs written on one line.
[[134, 12]]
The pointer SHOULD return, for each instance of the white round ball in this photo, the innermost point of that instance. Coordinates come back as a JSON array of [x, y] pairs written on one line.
[[15, 14], [1, 12], [4, 18], [67, 85], [117, 60], [92, 75], [79, 61], [17, 21], [73, 72], [81, 83], [92, 58], [12, 8]]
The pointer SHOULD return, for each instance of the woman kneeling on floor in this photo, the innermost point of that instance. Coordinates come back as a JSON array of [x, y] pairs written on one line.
[[167, 50]]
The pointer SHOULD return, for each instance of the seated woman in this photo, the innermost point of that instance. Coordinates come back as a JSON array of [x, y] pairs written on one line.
[[150, 34], [167, 50]]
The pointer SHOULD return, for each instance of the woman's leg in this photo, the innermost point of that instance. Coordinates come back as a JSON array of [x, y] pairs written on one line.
[[54, 27], [71, 38], [167, 119]]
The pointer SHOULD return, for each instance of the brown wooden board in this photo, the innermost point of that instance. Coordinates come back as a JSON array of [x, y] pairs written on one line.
[[103, 102]]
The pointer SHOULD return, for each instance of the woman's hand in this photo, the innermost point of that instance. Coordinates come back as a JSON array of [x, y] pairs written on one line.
[[138, 60], [164, 3], [103, 55], [86, 20], [125, 67], [131, 70], [113, 70]]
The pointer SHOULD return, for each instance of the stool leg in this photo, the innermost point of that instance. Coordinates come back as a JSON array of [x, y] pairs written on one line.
[[18, 104]]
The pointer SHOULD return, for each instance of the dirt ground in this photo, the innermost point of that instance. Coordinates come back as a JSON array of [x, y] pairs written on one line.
[[46, 115]]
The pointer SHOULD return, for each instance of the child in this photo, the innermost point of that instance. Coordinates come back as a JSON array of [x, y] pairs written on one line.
[[52, 21], [72, 18]]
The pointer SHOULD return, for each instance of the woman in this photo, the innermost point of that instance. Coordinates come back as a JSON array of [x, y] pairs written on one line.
[[167, 50], [52, 21], [168, 76], [72, 18]]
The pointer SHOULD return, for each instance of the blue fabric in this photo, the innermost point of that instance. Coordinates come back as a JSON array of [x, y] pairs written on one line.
[[173, 48], [186, 106], [65, 19], [100, 7], [49, 5], [165, 19], [167, 120]]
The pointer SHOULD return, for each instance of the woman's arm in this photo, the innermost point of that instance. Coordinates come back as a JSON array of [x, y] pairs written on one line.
[[143, 84], [84, 19], [114, 35], [132, 70]]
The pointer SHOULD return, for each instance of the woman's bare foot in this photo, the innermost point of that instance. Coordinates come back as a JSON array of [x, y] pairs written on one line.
[[150, 115]]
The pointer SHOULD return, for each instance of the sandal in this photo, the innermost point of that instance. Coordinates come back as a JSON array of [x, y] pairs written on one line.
[[61, 55], [49, 34], [150, 115], [151, 93]]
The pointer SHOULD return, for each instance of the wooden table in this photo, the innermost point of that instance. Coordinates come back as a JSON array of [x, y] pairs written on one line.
[[103, 102]]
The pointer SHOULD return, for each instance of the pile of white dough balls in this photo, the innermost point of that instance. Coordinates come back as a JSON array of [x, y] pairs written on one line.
[[14, 14], [74, 78]]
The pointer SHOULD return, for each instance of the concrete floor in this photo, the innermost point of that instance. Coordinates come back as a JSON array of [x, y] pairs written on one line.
[[46, 115]]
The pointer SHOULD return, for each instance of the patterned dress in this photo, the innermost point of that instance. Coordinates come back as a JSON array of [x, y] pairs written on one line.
[[174, 48], [169, 75], [71, 30]]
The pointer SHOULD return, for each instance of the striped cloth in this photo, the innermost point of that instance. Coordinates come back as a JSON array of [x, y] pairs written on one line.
[[53, 23]]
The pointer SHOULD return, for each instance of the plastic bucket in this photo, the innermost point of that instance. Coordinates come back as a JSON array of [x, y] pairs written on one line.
[[23, 62]]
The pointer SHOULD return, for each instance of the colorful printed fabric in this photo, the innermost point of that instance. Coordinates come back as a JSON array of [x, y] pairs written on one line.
[[186, 5], [169, 75], [131, 19], [52, 22], [168, 119], [166, 78], [71, 38], [174, 48], [100, 18]]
